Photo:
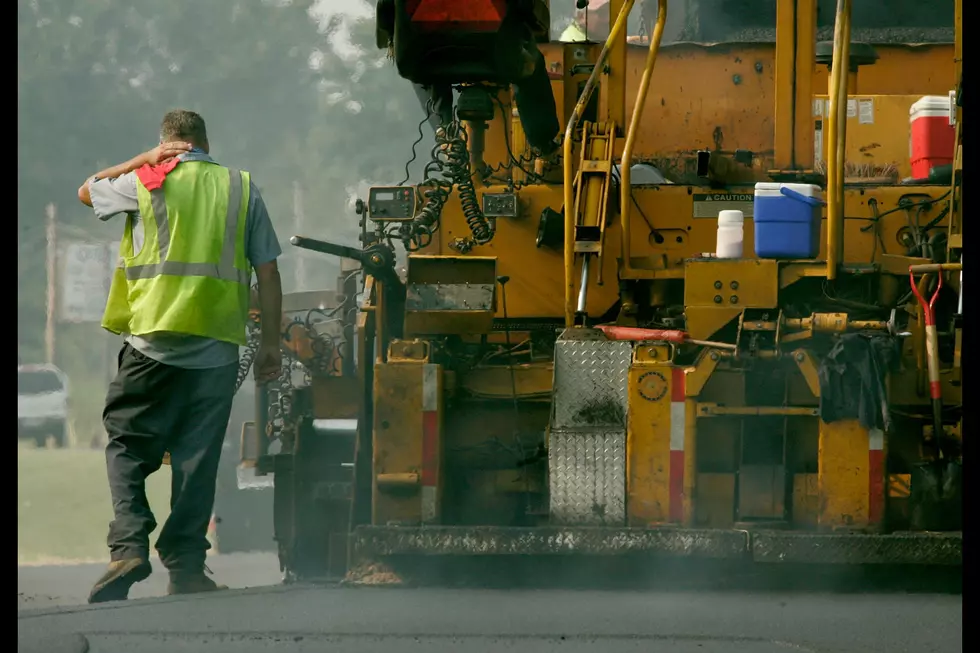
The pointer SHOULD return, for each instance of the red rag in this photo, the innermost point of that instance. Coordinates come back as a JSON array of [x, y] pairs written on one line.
[[153, 176]]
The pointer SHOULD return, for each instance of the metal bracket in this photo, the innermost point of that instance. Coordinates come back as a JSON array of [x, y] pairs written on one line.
[[808, 368]]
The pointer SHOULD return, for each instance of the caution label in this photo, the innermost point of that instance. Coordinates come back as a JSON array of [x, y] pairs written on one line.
[[708, 205]]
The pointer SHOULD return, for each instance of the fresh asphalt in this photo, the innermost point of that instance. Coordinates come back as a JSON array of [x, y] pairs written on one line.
[[268, 616]]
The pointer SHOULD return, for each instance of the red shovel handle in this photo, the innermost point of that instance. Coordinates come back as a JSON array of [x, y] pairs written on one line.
[[927, 306]]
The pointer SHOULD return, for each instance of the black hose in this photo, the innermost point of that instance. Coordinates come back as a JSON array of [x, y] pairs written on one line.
[[462, 173], [450, 165]]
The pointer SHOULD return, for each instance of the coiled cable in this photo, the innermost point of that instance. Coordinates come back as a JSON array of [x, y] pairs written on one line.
[[480, 228], [449, 166]]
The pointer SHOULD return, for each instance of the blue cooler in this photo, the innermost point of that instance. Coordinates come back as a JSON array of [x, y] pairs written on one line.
[[787, 220]]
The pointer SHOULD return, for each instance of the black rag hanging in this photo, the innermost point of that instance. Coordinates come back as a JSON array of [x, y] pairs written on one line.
[[852, 379]]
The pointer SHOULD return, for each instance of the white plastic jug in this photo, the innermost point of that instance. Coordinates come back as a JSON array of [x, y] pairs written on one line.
[[730, 234]]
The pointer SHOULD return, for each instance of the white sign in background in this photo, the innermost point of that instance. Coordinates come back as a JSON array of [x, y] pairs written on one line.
[[86, 274]]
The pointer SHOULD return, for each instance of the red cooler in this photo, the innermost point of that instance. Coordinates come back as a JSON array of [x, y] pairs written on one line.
[[932, 140]]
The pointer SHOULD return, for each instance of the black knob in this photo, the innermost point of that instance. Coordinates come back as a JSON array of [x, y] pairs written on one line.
[[503, 279]]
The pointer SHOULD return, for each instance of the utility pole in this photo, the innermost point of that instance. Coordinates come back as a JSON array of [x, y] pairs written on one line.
[[52, 278], [299, 219]]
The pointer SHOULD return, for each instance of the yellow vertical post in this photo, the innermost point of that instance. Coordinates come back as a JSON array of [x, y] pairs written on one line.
[[805, 64], [690, 458], [659, 462], [836, 128], [955, 238], [958, 39], [841, 111], [785, 112], [648, 436], [850, 476], [626, 164], [616, 86], [407, 442]]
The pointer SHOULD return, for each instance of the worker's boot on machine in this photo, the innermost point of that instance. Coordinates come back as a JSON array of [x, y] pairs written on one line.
[[547, 165], [118, 578], [192, 582]]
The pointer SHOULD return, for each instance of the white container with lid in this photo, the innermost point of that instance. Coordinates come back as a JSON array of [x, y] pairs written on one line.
[[731, 234]]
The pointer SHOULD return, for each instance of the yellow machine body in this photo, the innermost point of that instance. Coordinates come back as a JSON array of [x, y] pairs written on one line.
[[500, 420]]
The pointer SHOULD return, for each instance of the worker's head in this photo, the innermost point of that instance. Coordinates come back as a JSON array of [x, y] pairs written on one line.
[[594, 19], [183, 125]]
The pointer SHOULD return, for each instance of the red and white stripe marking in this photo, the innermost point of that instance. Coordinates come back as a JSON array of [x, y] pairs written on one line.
[[876, 475], [677, 431], [430, 442]]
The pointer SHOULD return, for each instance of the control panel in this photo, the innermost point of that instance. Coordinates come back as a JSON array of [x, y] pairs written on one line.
[[392, 204], [500, 205]]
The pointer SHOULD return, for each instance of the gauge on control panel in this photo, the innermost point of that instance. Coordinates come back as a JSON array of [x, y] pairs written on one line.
[[392, 204]]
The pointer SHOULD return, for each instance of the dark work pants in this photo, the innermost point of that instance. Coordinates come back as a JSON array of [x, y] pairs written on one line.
[[535, 104], [152, 408]]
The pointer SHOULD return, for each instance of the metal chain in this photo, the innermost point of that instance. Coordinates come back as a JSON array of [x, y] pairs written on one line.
[[284, 405], [283, 402], [248, 356]]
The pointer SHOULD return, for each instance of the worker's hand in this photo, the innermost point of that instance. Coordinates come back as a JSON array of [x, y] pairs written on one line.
[[268, 363], [166, 151]]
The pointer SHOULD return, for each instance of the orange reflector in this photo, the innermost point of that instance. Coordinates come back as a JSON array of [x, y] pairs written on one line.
[[471, 16]]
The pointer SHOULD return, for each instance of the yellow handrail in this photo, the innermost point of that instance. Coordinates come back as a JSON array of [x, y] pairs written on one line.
[[837, 136], [569, 198], [626, 194]]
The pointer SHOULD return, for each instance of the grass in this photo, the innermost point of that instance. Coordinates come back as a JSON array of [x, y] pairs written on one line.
[[63, 505]]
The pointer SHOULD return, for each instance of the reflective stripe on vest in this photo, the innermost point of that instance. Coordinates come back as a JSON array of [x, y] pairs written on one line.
[[225, 270]]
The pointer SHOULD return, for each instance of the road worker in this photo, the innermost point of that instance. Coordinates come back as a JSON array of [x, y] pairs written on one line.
[[180, 297], [591, 23]]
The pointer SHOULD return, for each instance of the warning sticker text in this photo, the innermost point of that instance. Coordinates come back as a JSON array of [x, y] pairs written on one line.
[[709, 204]]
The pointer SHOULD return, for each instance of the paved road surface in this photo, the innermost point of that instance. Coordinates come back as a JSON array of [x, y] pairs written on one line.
[[45, 587], [315, 619]]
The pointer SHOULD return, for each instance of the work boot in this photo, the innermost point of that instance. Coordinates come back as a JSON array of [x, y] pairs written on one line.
[[192, 582], [118, 578]]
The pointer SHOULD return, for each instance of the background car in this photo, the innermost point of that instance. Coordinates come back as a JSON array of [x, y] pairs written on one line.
[[42, 405]]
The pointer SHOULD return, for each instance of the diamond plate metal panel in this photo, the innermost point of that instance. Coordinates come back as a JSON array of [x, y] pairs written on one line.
[[591, 380], [587, 470], [449, 297], [371, 542], [892, 549]]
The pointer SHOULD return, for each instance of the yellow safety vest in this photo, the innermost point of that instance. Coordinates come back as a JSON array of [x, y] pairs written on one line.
[[192, 275], [573, 34]]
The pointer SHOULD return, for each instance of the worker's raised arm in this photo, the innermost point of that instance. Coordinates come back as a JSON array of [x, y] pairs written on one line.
[[160, 154]]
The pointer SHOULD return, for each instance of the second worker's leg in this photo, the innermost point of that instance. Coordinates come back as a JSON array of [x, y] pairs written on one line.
[[537, 109], [195, 451], [138, 417]]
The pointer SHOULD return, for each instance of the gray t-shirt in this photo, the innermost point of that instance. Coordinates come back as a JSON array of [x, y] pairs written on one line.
[[111, 197]]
